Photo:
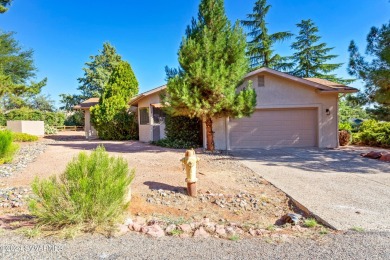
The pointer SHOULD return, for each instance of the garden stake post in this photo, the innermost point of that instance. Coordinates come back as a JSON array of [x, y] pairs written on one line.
[[189, 165]]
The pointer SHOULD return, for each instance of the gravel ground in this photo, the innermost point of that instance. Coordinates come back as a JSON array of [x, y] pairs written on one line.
[[351, 245], [26, 154]]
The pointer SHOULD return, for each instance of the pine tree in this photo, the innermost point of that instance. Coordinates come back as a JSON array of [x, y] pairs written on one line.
[[310, 56], [17, 71], [260, 46], [111, 116], [98, 71], [376, 72], [3, 5], [212, 66]]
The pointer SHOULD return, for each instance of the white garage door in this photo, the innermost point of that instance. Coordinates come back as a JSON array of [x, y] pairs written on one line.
[[275, 128]]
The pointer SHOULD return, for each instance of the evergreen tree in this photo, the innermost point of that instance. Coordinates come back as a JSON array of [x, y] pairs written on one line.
[[96, 75], [111, 117], [16, 73], [212, 66], [98, 71], [260, 46], [376, 72], [310, 56], [3, 5]]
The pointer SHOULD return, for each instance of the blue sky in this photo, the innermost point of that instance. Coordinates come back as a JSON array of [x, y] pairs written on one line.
[[64, 34]]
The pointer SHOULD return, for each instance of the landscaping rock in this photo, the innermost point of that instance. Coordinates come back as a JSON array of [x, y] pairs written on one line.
[[230, 231], [220, 230], [155, 231], [170, 228], [121, 230], [201, 233], [128, 221], [14, 197], [385, 157], [25, 155], [186, 228], [135, 227], [140, 220], [372, 155]]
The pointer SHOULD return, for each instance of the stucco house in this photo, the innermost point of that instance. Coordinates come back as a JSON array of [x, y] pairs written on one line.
[[290, 112], [90, 132]]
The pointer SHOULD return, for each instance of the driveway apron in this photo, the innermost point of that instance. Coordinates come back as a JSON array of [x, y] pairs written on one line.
[[339, 186]]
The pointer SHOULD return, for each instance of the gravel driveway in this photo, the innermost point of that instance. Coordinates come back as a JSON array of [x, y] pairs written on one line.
[[338, 185]]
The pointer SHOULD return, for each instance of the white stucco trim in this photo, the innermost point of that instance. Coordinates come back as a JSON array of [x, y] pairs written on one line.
[[227, 131], [337, 121]]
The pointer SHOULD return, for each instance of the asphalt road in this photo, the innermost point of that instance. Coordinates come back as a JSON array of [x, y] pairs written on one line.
[[352, 245]]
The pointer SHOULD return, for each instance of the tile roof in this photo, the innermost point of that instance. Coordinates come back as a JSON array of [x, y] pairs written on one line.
[[87, 103]]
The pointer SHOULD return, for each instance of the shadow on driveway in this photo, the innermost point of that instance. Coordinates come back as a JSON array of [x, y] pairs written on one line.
[[79, 142]]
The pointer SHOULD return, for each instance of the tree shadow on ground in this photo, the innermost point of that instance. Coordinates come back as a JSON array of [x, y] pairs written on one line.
[[316, 160], [13, 222], [79, 142], [163, 186]]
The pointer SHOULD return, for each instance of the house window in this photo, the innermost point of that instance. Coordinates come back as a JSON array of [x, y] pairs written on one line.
[[260, 81], [158, 115], [144, 116]]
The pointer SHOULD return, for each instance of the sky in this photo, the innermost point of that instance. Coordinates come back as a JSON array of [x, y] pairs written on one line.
[[147, 34]]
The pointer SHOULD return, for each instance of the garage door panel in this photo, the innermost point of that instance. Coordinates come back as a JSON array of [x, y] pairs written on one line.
[[275, 128]]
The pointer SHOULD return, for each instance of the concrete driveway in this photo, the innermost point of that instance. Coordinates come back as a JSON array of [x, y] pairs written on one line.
[[338, 185]]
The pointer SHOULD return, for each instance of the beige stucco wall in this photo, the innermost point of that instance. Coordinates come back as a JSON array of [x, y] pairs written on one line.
[[90, 131], [283, 93], [146, 131], [29, 127]]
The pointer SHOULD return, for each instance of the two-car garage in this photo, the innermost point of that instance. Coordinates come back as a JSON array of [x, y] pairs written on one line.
[[273, 128]]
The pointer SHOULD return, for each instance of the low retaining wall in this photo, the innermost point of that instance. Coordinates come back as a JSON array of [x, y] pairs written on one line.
[[29, 127]]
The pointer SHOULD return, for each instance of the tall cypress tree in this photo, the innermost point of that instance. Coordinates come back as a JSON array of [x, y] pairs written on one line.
[[111, 116], [260, 46], [212, 66], [311, 57]]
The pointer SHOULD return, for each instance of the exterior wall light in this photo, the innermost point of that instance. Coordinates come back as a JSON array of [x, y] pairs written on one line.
[[327, 111]]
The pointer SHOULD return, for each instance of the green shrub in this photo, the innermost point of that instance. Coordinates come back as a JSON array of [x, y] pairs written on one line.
[[50, 118], [90, 193], [373, 133], [310, 223], [122, 126], [3, 120], [7, 148], [22, 137], [50, 130], [181, 133], [75, 119], [345, 126]]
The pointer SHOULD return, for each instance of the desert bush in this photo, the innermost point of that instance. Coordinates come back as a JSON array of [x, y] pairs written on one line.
[[23, 137], [181, 133], [345, 137], [50, 118], [7, 147], [90, 193], [373, 133]]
